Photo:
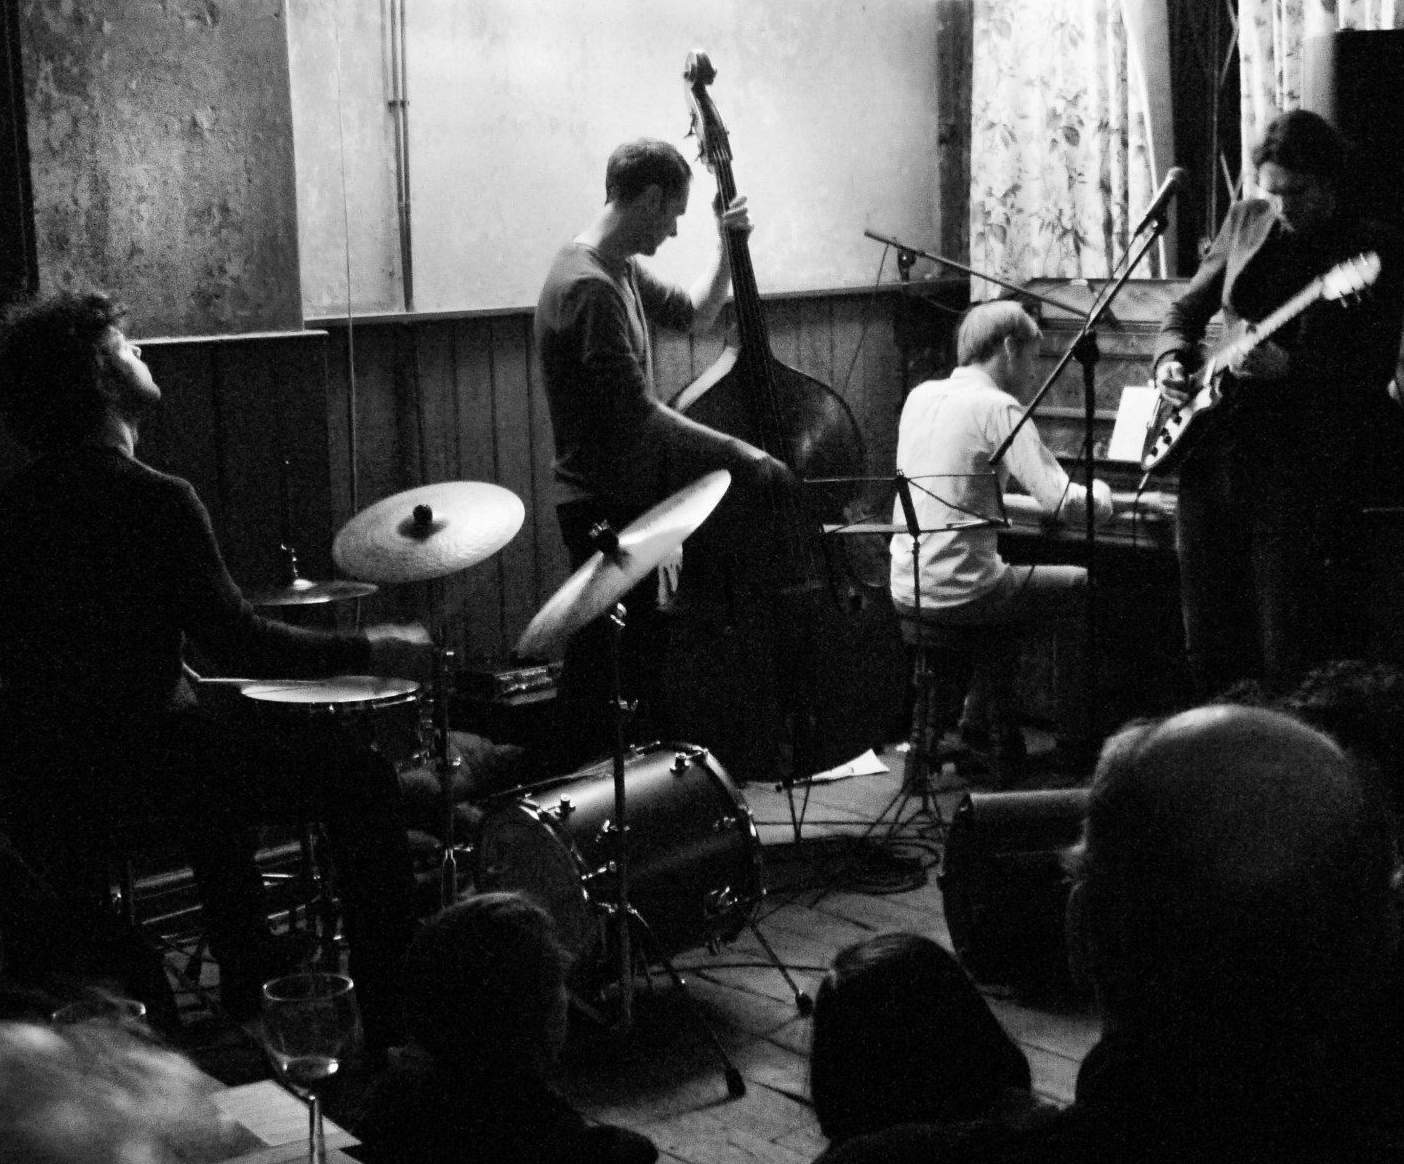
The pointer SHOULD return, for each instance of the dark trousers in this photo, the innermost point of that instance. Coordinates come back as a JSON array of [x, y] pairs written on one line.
[[205, 781], [1268, 542], [586, 675]]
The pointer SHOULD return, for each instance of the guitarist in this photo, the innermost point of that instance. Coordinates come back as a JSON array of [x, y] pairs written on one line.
[[1270, 533]]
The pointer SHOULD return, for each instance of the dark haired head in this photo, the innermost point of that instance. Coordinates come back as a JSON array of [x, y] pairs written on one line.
[[901, 1035], [637, 165], [484, 984], [1360, 705], [52, 367], [1305, 143]]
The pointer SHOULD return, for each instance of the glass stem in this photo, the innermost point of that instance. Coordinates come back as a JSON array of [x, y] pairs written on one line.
[[316, 1133]]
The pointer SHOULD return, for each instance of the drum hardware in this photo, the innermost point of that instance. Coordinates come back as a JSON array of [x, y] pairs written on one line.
[[623, 559], [423, 535]]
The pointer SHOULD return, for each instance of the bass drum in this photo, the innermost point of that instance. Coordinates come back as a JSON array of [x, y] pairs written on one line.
[[694, 857]]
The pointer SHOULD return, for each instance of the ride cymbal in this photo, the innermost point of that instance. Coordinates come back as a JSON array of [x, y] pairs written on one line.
[[428, 532], [305, 592], [612, 573]]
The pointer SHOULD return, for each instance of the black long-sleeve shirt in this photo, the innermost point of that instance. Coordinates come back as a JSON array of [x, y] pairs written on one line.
[[106, 568]]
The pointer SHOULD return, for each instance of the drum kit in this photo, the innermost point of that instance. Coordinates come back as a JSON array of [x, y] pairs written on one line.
[[690, 857]]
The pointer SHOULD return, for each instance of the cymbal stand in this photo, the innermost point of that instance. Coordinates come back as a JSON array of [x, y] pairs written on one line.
[[445, 765], [618, 828], [625, 917]]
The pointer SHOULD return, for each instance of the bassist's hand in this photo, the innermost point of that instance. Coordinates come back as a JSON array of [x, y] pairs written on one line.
[[1170, 381], [735, 219]]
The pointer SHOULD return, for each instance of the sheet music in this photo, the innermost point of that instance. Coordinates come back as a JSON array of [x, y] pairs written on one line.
[[1133, 415]]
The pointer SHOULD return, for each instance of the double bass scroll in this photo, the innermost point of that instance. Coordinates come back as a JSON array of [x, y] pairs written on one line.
[[785, 661]]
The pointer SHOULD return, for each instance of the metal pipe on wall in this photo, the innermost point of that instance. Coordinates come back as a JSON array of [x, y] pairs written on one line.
[[399, 110]]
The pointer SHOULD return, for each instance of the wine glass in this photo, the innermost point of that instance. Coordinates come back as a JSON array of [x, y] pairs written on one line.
[[310, 1027]]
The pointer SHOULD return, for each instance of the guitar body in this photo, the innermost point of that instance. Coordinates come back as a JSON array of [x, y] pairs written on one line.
[[1173, 429], [1169, 428]]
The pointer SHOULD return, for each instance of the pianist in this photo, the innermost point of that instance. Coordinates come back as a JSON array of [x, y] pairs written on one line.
[[949, 430]]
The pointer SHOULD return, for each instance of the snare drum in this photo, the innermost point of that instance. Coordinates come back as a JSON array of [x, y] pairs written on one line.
[[694, 856], [384, 714]]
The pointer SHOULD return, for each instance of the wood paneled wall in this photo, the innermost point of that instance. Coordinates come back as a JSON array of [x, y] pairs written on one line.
[[439, 399]]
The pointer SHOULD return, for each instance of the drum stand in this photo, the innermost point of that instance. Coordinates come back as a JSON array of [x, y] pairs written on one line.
[[445, 764], [624, 916]]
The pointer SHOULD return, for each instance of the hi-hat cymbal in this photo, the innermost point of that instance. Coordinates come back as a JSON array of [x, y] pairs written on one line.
[[305, 592], [428, 532], [608, 576]]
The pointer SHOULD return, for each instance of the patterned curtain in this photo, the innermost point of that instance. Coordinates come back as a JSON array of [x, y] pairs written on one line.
[[1058, 151], [1270, 51]]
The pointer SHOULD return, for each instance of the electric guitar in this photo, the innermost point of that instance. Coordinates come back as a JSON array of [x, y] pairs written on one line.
[[1168, 430]]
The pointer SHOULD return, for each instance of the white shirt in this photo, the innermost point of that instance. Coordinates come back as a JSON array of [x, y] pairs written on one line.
[[948, 432]]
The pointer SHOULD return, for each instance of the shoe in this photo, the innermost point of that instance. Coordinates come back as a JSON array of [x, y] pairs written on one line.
[[241, 980]]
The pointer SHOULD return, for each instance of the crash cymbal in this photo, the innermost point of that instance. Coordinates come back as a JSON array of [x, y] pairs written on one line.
[[608, 576], [428, 532], [305, 592]]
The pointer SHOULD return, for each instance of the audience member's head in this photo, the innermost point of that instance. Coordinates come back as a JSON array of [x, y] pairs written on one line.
[[485, 985], [1234, 874], [96, 1093], [901, 1035], [1361, 706], [54, 358]]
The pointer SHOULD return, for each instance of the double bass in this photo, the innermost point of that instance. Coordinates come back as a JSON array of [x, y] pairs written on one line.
[[785, 660]]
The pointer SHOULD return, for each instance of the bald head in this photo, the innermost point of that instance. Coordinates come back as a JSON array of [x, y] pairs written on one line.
[[1231, 860]]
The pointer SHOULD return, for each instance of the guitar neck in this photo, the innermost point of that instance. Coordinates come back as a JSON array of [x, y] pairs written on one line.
[[1264, 328]]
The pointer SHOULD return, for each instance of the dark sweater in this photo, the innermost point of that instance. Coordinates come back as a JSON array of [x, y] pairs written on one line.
[[108, 566]]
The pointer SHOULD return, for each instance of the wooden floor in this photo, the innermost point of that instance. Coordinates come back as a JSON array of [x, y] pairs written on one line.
[[823, 893], [829, 889]]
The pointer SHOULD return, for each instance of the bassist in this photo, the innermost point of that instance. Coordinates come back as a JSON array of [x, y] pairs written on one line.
[[1271, 493]]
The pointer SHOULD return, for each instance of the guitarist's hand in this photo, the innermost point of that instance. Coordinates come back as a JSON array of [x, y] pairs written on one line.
[[1267, 361], [1170, 381]]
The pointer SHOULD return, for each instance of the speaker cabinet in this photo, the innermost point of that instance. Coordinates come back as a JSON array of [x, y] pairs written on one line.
[[1005, 889]]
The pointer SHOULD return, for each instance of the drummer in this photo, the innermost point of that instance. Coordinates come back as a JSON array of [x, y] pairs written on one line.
[[109, 568]]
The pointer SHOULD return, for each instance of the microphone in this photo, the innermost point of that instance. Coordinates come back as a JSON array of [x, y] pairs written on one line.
[[904, 495], [1163, 197]]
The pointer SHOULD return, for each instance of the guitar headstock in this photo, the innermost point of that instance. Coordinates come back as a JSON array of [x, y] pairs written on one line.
[[713, 146], [1350, 277]]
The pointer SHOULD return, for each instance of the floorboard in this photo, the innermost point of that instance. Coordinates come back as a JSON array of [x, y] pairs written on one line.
[[841, 879], [825, 890]]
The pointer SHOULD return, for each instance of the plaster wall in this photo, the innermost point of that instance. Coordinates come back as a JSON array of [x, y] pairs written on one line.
[[161, 152]]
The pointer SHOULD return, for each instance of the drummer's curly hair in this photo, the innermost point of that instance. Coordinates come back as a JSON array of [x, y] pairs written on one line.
[[51, 366]]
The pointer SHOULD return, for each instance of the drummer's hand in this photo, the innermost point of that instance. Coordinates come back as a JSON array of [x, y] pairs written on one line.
[[403, 650], [1170, 381], [736, 217], [1267, 361]]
